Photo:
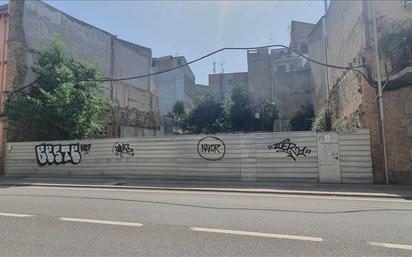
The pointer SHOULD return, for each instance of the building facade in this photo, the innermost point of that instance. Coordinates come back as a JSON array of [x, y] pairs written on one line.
[[220, 85], [33, 24], [175, 85], [352, 98], [282, 76]]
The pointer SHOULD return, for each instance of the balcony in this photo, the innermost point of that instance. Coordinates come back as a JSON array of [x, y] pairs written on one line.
[[401, 63]]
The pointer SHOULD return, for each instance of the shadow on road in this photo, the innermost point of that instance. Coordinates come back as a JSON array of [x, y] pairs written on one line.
[[213, 207]]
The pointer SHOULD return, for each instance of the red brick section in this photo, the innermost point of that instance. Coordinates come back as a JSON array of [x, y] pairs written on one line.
[[398, 130], [371, 121]]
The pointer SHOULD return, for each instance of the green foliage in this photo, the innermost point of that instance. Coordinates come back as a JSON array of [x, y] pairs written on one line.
[[268, 114], [178, 111], [239, 116], [302, 120], [233, 115], [178, 108], [62, 105], [206, 117], [320, 123]]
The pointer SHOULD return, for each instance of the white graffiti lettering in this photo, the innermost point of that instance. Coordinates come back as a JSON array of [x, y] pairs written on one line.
[[59, 154]]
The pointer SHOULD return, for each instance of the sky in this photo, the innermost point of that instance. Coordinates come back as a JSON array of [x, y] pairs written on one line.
[[195, 28]]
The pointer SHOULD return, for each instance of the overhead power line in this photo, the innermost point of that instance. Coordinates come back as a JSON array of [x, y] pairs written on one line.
[[352, 68]]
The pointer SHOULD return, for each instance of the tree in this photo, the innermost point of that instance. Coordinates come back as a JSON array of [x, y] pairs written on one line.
[[303, 119], [268, 114], [206, 116], [240, 117], [179, 110], [65, 103]]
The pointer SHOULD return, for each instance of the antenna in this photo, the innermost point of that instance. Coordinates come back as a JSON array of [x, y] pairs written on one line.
[[221, 67], [214, 67]]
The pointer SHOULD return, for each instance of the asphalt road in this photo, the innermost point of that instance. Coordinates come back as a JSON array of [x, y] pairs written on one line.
[[83, 222]]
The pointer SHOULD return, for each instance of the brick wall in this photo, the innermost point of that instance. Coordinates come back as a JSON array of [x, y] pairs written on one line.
[[398, 131]]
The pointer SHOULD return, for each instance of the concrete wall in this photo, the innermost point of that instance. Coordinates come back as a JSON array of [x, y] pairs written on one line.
[[289, 90], [318, 72], [259, 75], [35, 23], [221, 85], [299, 34], [261, 157], [174, 85]]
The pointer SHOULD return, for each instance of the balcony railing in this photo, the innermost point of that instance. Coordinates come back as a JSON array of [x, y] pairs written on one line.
[[401, 57]]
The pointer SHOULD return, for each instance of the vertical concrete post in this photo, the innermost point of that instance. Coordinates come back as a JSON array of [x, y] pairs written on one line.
[[328, 157], [248, 158]]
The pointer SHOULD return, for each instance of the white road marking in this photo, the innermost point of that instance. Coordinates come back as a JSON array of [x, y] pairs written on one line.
[[393, 246], [17, 215], [326, 197], [107, 222], [258, 234]]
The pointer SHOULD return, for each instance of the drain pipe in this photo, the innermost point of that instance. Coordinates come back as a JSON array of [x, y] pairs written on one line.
[[380, 94]]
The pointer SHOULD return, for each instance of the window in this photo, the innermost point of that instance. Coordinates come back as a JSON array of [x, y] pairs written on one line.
[[179, 61], [281, 68], [304, 49], [292, 67], [153, 63], [407, 4]]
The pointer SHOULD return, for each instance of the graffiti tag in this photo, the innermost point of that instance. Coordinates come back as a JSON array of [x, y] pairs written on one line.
[[290, 148], [85, 148], [121, 148], [211, 148], [59, 154]]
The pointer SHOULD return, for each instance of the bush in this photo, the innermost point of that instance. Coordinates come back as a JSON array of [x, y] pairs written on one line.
[[303, 119], [64, 104]]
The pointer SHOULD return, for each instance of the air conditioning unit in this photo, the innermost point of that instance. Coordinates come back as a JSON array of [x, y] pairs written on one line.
[[407, 4]]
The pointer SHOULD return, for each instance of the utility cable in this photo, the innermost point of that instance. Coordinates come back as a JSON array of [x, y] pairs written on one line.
[[231, 48], [353, 68]]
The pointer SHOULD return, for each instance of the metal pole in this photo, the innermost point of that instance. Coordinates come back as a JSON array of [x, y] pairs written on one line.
[[325, 39], [380, 95]]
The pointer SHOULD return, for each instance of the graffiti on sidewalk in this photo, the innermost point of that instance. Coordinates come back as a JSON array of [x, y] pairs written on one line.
[[60, 153], [120, 149], [290, 148]]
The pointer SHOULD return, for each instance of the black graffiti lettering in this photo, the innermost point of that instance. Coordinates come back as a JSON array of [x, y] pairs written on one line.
[[121, 148], [58, 154], [291, 149], [210, 148], [85, 148]]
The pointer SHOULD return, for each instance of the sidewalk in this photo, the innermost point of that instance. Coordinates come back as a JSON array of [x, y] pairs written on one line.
[[348, 190]]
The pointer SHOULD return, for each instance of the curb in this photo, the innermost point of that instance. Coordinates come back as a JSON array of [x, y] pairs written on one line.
[[221, 190]]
